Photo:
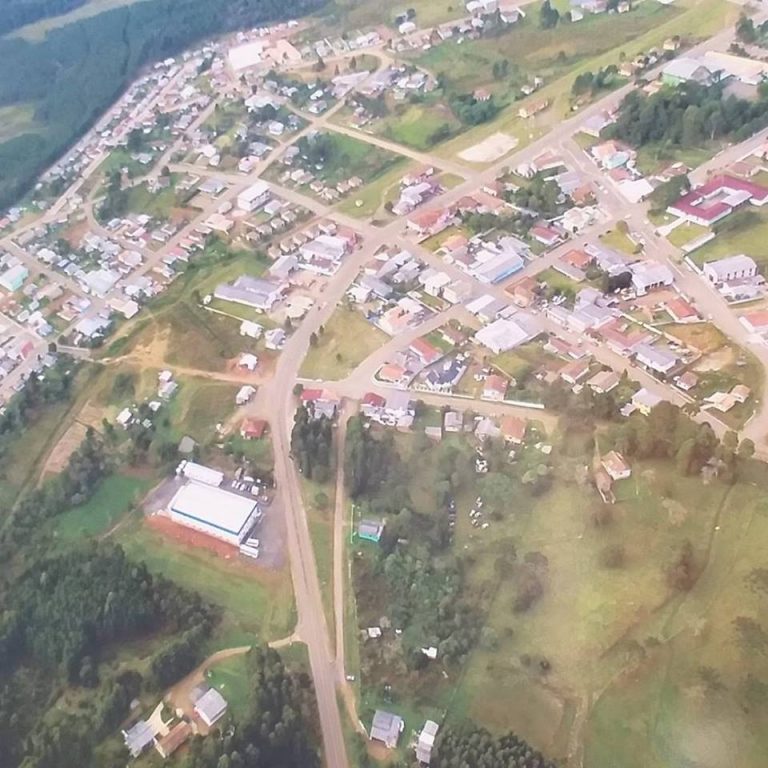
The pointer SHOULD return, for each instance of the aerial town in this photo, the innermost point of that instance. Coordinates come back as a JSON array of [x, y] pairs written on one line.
[[399, 375]]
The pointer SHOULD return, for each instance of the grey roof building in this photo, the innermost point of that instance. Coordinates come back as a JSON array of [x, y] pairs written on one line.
[[387, 728]]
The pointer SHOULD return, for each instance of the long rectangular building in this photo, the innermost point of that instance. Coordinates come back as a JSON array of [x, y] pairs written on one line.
[[214, 511]]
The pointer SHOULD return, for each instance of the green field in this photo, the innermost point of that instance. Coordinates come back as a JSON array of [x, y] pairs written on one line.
[[347, 340], [354, 14], [414, 125], [39, 29], [749, 238], [256, 604], [373, 196], [346, 157], [16, 119], [230, 678], [686, 233], [591, 44], [113, 498], [619, 241], [608, 662]]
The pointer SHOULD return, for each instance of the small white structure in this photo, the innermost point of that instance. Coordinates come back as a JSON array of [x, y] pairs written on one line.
[[199, 473], [244, 394]]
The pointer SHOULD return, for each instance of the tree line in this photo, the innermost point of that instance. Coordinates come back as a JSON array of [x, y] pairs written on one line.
[[687, 116], [311, 444], [470, 746]]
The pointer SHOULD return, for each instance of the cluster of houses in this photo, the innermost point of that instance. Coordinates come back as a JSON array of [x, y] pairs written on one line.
[[299, 172], [481, 16], [208, 707]]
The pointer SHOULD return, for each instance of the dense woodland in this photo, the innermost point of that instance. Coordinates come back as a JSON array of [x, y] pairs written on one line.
[[59, 618], [311, 445], [688, 116], [476, 748], [79, 70]]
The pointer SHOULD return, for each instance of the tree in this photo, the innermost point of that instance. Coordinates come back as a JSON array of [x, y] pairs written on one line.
[[746, 449], [669, 192], [745, 29], [548, 16]]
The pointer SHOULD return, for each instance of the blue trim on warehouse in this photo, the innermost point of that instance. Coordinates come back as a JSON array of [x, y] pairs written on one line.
[[213, 525]]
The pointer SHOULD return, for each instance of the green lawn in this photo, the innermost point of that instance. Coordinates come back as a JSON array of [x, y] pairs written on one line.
[[651, 158], [373, 196], [230, 678], [39, 29], [749, 239], [415, 125], [347, 340], [686, 233], [255, 603], [158, 205], [15, 120], [351, 157], [112, 500], [619, 241], [320, 521], [358, 14], [692, 700]]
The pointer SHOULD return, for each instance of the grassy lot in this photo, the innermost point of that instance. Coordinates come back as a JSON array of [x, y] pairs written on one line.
[[112, 500], [230, 678], [705, 337], [686, 233], [353, 14], [693, 699], [618, 634], [749, 239], [415, 125], [39, 29], [320, 520], [15, 120], [619, 241], [158, 205], [351, 157], [558, 282], [199, 406], [374, 195], [651, 158], [594, 43], [25, 456], [347, 340], [255, 603]]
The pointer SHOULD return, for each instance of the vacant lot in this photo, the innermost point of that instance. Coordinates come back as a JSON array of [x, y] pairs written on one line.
[[372, 197], [749, 237], [256, 604], [348, 338], [112, 500], [417, 125]]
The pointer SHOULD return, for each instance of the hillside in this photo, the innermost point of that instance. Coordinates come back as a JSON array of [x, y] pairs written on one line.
[[57, 87]]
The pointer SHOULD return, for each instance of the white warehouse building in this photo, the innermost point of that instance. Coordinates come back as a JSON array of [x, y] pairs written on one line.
[[215, 512]]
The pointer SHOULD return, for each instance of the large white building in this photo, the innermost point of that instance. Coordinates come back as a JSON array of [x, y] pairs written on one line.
[[254, 197], [214, 511]]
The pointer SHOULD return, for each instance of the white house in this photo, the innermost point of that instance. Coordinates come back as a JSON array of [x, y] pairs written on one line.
[[254, 197], [731, 268]]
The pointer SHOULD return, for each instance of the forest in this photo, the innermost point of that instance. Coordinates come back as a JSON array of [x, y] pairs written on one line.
[[311, 445], [58, 620], [79, 70], [476, 747], [687, 116]]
